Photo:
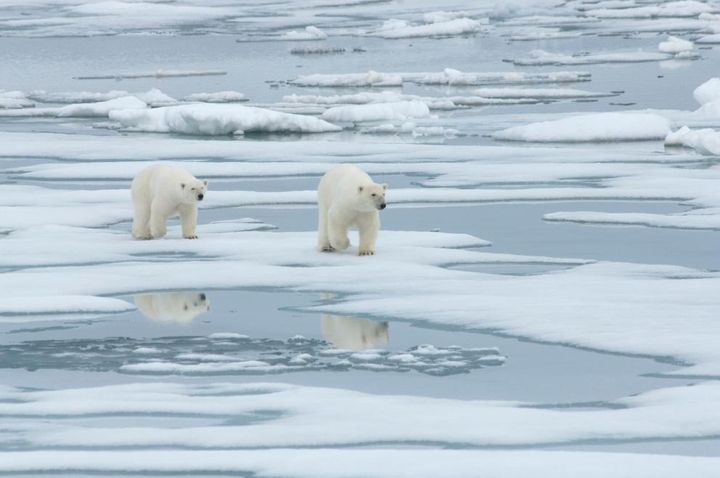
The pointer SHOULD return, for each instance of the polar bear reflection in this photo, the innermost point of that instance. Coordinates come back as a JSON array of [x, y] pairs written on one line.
[[353, 333], [178, 307]]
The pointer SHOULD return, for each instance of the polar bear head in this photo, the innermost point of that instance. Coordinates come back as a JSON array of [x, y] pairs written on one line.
[[371, 197], [178, 307], [192, 191]]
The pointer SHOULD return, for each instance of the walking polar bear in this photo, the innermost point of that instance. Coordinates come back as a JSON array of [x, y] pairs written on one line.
[[347, 197], [159, 192]]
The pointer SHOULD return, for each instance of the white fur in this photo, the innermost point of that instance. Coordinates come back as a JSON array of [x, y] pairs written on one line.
[[353, 333], [159, 192], [180, 307], [348, 197]]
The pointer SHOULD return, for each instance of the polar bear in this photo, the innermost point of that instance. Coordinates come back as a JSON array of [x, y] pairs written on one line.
[[179, 307], [347, 197], [159, 192], [353, 333]]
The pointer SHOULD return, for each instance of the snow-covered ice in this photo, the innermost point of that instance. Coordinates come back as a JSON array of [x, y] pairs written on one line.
[[216, 119], [506, 277], [592, 127]]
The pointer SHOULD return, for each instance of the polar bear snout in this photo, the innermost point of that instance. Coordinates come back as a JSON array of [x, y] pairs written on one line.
[[382, 206], [200, 196]]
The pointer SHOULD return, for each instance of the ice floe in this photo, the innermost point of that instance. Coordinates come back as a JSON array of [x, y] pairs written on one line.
[[217, 97], [167, 73], [676, 46], [310, 33], [542, 57], [97, 109], [394, 29], [400, 110], [448, 76], [216, 119], [279, 415], [435, 463], [14, 99], [592, 127]]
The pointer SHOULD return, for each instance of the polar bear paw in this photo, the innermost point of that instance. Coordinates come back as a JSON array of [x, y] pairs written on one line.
[[327, 248], [192, 236], [366, 252]]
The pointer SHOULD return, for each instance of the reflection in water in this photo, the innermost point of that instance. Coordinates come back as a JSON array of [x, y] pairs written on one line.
[[178, 307], [353, 333]]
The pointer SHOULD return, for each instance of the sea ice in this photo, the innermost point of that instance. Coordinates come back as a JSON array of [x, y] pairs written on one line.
[[215, 119]]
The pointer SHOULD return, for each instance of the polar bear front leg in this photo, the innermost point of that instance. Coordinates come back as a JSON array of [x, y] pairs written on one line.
[[188, 219], [368, 227], [158, 217], [337, 232], [141, 226], [323, 239]]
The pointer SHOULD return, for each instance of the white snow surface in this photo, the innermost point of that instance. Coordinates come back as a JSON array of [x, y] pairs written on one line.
[[542, 57], [675, 45], [591, 128], [217, 97], [396, 29], [400, 110], [310, 33], [216, 119]]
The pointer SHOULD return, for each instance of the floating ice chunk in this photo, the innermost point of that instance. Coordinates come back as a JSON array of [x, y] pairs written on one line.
[[443, 16], [670, 9], [551, 20], [451, 76], [434, 131], [351, 99], [316, 50], [214, 119], [227, 335], [400, 110], [14, 99], [591, 127], [684, 221], [708, 91], [154, 74], [61, 304], [709, 39], [401, 29], [675, 46], [76, 96], [311, 33], [540, 33], [537, 93], [704, 141], [102, 108], [371, 78], [217, 97], [541, 57], [99, 109], [155, 97]]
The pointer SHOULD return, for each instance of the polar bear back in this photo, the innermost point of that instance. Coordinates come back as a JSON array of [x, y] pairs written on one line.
[[153, 181], [341, 183]]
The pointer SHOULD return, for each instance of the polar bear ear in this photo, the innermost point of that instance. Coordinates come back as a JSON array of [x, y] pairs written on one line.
[[182, 185], [205, 183], [385, 186], [360, 189]]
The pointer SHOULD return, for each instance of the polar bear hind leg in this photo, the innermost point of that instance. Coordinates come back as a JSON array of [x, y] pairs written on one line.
[[337, 233], [141, 222]]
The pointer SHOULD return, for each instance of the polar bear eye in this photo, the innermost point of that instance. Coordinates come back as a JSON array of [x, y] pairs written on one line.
[[373, 194]]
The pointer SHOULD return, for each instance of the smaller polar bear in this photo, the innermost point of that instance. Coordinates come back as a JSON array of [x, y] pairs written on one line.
[[159, 192], [178, 307], [347, 197]]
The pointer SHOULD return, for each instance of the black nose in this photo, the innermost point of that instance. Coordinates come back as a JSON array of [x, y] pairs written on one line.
[[383, 206], [200, 197], [202, 296]]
